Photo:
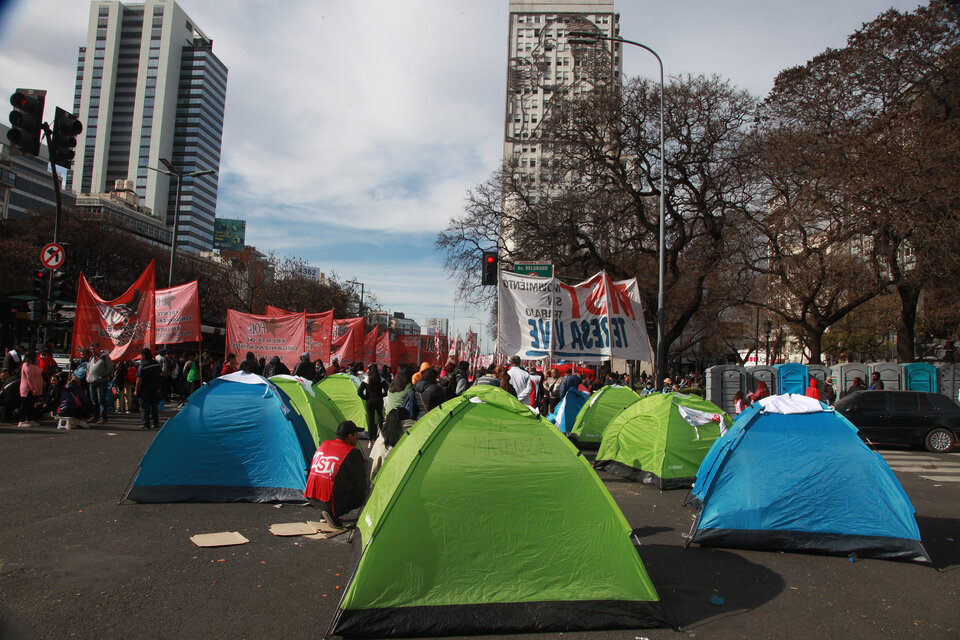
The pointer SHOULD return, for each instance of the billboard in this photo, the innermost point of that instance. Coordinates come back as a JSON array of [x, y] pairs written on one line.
[[229, 234]]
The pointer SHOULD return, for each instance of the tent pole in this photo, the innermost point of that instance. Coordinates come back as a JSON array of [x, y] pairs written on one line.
[[123, 496]]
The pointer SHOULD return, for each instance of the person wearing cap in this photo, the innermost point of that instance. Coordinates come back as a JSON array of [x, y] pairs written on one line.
[[828, 394], [337, 479], [667, 386]]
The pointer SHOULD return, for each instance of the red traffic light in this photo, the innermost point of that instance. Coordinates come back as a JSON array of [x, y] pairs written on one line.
[[490, 259]]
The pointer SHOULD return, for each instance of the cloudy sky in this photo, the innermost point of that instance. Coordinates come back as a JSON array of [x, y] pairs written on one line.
[[354, 128]]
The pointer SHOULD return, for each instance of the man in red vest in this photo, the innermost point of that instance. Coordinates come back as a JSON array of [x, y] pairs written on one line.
[[337, 482]]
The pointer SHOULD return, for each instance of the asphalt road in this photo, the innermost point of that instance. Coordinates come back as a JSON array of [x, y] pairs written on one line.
[[75, 564]]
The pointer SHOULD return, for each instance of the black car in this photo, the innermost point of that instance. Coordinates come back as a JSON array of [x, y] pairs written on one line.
[[912, 418]]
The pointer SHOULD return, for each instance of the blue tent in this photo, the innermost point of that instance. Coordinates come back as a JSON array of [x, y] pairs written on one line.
[[238, 439], [567, 409], [792, 475]]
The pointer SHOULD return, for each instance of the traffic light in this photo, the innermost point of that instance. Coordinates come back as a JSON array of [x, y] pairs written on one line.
[[26, 120], [40, 283], [56, 285], [488, 268], [66, 128]]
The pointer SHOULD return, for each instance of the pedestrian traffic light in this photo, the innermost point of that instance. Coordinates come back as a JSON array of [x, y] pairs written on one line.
[[40, 283], [488, 268], [66, 128], [26, 120], [56, 285]]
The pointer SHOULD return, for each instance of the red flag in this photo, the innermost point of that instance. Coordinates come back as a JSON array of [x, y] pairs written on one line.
[[385, 350], [266, 336], [319, 332], [122, 327], [370, 347], [408, 351], [348, 340], [177, 314]]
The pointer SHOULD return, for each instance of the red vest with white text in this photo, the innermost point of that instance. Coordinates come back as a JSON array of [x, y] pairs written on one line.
[[324, 467]]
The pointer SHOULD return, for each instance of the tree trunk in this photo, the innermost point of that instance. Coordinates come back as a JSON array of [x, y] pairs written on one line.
[[813, 338], [907, 321]]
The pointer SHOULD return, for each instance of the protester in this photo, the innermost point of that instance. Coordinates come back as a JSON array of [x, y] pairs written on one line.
[[230, 365], [762, 392], [740, 403], [399, 388], [147, 390], [386, 441], [74, 403], [505, 382], [520, 380], [12, 361], [385, 374], [551, 388], [124, 391], [275, 367], [305, 369], [355, 371], [429, 394], [51, 401], [372, 391], [249, 363], [812, 390], [337, 482], [419, 374], [829, 393], [461, 379], [857, 385], [99, 370], [48, 366], [648, 388], [334, 367], [536, 388], [876, 384], [571, 381], [31, 390], [321, 371], [488, 377]]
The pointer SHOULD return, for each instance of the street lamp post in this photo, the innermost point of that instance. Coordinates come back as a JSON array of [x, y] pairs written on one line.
[[480, 335], [360, 308], [179, 175], [661, 363]]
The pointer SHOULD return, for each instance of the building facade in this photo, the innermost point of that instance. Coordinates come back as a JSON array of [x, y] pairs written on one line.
[[26, 184], [149, 86]]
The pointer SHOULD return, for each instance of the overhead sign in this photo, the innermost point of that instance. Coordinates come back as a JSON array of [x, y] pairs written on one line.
[[52, 255], [530, 268], [229, 234]]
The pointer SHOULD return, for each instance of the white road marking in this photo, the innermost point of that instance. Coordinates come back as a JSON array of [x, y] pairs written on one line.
[[942, 478]]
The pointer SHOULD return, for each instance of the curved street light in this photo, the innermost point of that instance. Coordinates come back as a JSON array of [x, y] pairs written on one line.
[[591, 37], [180, 175]]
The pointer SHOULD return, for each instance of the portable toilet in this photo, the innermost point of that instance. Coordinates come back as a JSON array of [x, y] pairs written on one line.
[[891, 374], [723, 382], [846, 373], [949, 380], [793, 377], [819, 372], [763, 374], [920, 376]]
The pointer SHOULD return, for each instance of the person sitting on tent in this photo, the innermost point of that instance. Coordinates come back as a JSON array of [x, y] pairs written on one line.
[[388, 438], [337, 482], [812, 390], [762, 392]]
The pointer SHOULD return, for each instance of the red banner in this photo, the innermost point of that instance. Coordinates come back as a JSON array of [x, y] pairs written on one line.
[[319, 332], [121, 327], [177, 312], [370, 347], [348, 340], [266, 336], [385, 350], [407, 351], [433, 350]]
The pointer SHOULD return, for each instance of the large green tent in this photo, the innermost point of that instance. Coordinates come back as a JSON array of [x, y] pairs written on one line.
[[476, 525], [604, 405], [319, 412], [662, 439], [343, 391]]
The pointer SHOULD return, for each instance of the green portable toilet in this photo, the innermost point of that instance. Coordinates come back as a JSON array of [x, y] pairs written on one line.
[[662, 439], [343, 391], [476, 526], [319, 412], [602, 407]]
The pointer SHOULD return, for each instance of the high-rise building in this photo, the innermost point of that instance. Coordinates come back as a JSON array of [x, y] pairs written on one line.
[[149, 87]]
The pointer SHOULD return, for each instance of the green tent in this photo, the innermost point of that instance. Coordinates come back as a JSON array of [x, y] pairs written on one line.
[[343, 391], [477, 524], [603, 406], [319, 412], [662, 439]]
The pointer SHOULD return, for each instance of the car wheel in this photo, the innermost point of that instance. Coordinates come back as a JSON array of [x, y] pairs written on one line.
[[939, 441]]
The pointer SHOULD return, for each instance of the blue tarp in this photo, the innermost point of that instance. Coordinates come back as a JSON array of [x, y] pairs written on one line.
[[238, 439], [802, 482], [565, 415]]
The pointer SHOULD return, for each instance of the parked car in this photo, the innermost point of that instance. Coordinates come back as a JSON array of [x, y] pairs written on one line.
[[912, 418]]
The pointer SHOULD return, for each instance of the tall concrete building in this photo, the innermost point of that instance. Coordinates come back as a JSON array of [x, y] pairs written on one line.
[[149, 87], [543, 65]]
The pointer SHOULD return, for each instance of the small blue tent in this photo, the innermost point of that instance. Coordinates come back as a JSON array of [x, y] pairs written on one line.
[[567, 409], [238, 439], [792, 475]]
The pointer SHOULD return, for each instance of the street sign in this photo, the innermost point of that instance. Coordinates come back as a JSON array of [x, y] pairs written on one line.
[[531, 268], [52, 255]]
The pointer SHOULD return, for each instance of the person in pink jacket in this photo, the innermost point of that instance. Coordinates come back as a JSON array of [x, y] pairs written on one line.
[[31, 390]]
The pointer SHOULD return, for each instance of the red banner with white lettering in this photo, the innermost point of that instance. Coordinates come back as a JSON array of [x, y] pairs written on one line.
[[385, 350], [407, 351], [266, 336], [433, 349], [177, 312], [318, 332], [370, 346], [348, 340], [122, 327]]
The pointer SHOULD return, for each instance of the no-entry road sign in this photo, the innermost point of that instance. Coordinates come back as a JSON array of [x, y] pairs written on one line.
[[52, 255]]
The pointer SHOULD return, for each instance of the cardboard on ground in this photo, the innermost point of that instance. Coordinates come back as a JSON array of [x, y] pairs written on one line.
[[220, 539], [293, 529], [323, 530]]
